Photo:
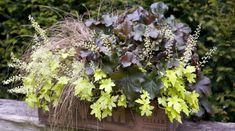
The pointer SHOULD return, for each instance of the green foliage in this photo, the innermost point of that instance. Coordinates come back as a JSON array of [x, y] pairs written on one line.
[[16, 31], [99, 74], [107, 85], [174, 96], [104, 105], [83, 89], [122, 101], [144, 101], [41, 72]]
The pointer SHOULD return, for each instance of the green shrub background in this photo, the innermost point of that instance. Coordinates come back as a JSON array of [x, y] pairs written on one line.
[[216, 16]]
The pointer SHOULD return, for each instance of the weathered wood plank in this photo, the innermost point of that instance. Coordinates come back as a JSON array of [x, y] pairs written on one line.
[[18, 111], [17, 116], [15, 126], [206, 126]]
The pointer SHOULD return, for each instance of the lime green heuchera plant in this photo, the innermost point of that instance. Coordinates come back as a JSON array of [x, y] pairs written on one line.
[[130, 60]]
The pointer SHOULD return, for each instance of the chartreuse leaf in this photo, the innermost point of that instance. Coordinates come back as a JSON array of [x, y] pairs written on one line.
[[122, 101], [188, 72], [32, 100], [83, 89], [189, 69], [174, 96], [192, 100], [165, 82], [67, 53], [146, 110], [107, 85], [184, 107], [174, 102], [172, 114], [191, 77], [29, 83], [144, 101], [162, 101], [99, 74], [106, 112], [171, 75], [96, 110], [179, 88], [104, 105], [45, 107], [57, 88]]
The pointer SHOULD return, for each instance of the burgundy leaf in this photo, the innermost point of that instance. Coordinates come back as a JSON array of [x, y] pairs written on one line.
[[147, 17], [128, 59], [123, 29]]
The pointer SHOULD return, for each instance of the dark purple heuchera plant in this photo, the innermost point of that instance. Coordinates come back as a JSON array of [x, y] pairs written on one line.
[[131, 31], [122, 60]]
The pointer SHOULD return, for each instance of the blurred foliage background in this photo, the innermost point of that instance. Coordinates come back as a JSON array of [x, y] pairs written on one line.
[[216, 16]]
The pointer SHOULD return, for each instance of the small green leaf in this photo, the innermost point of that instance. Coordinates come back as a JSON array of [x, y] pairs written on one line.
[[107, 85], [83, 89], [171, 76], [95, 109], [144, 101], [107, 112], [162, 101], [174, 102], [174, 97], [104, 105], [99, 74], [122, 101], [31, 100], [191, 77], [47, 98]]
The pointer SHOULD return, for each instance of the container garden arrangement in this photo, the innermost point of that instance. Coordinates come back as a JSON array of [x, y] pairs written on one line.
[[136, 70]]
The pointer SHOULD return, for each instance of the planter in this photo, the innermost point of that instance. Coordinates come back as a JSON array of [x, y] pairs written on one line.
[[121, 120]]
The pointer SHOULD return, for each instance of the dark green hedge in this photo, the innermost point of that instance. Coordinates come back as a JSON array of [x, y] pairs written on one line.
[[216, 16], [16, 31]]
